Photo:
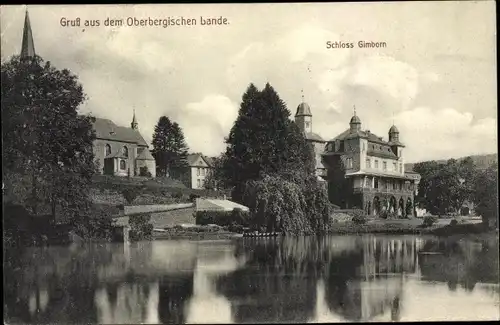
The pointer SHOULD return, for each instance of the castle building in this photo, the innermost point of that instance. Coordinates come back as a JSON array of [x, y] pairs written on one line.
[[303, 119], [119, 151], [366, 172]]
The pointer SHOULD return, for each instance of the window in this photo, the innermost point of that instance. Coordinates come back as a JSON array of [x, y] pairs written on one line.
[[308, 124], [125, 151], [368, 182], [368, 163], [123, 165], [376, 164], [395, 165], [198, 183], [385, 165], [349, 162], [375, 183], [401, 168], [198, 171], [395, 185], [108, 150]]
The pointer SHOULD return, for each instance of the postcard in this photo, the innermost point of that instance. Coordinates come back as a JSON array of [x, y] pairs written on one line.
[[250, 163]]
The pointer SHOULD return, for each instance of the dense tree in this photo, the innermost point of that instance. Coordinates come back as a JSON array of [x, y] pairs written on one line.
[[215, 179], [169, 148], [270, 167], [445, 187], [47, 154], [486, 195], [264, 141]]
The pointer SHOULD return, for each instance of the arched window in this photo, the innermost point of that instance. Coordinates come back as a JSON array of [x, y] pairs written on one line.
[[108, 150], [122, 165], [125, 151]]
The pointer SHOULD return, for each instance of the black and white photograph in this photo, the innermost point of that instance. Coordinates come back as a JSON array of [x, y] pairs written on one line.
[[250, 163]]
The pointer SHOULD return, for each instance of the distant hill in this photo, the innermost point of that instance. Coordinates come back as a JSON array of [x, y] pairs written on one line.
[[481, 161]]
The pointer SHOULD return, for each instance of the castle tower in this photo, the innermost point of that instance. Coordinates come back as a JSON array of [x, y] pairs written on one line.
[[393, 134], [134, 125], [355, 122], [28, 46], [303, 116]]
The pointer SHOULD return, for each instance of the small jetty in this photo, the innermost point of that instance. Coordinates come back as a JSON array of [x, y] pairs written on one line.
[[261, 234]]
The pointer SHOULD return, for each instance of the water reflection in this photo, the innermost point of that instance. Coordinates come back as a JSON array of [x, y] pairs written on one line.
[[294, 279]]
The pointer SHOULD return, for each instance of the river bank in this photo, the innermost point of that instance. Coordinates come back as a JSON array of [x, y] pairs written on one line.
[[347, 228]]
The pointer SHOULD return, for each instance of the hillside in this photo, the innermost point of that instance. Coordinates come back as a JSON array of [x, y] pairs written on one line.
[[481, 161]]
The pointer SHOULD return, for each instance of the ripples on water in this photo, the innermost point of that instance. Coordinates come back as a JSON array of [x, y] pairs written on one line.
[[295, 279]]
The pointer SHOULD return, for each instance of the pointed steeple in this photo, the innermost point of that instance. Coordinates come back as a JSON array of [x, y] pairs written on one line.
[[134, 124], [28, 46]]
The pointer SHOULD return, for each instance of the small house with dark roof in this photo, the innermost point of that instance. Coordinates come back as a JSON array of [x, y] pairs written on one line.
[[371, 171], [122, 151], [303, 119]]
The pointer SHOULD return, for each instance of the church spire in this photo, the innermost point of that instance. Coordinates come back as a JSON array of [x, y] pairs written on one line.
[[28, 46], [134, 124]]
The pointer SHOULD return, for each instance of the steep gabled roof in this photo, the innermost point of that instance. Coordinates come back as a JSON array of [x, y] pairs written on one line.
[[107, 130], [193, 158], [313, 137], [145, 155], [116, 154]]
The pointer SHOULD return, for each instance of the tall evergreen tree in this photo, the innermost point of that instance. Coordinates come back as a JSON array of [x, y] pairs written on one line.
[[47, 153], [264, 141], [169, 148]]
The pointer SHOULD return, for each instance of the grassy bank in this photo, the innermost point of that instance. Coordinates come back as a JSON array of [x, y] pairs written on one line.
[[195, 233], [389, 228], [469, 230]]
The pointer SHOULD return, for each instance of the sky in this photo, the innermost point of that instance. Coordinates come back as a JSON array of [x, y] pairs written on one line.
[[435, 79]]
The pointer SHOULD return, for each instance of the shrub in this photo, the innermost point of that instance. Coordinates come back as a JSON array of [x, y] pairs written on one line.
[[144, 171], [384, 214], [140, 227], [177, 195], [358, 216], [130, 194], [429, 221], [454, 223], [193, 197]]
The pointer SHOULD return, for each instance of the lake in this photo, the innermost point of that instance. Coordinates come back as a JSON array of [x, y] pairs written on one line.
[[290, 279]]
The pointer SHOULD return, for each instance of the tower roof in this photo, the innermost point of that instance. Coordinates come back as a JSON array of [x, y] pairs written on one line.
[[303, 110], [393, 129], [134, 122], [28, 46], [355, 120]]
